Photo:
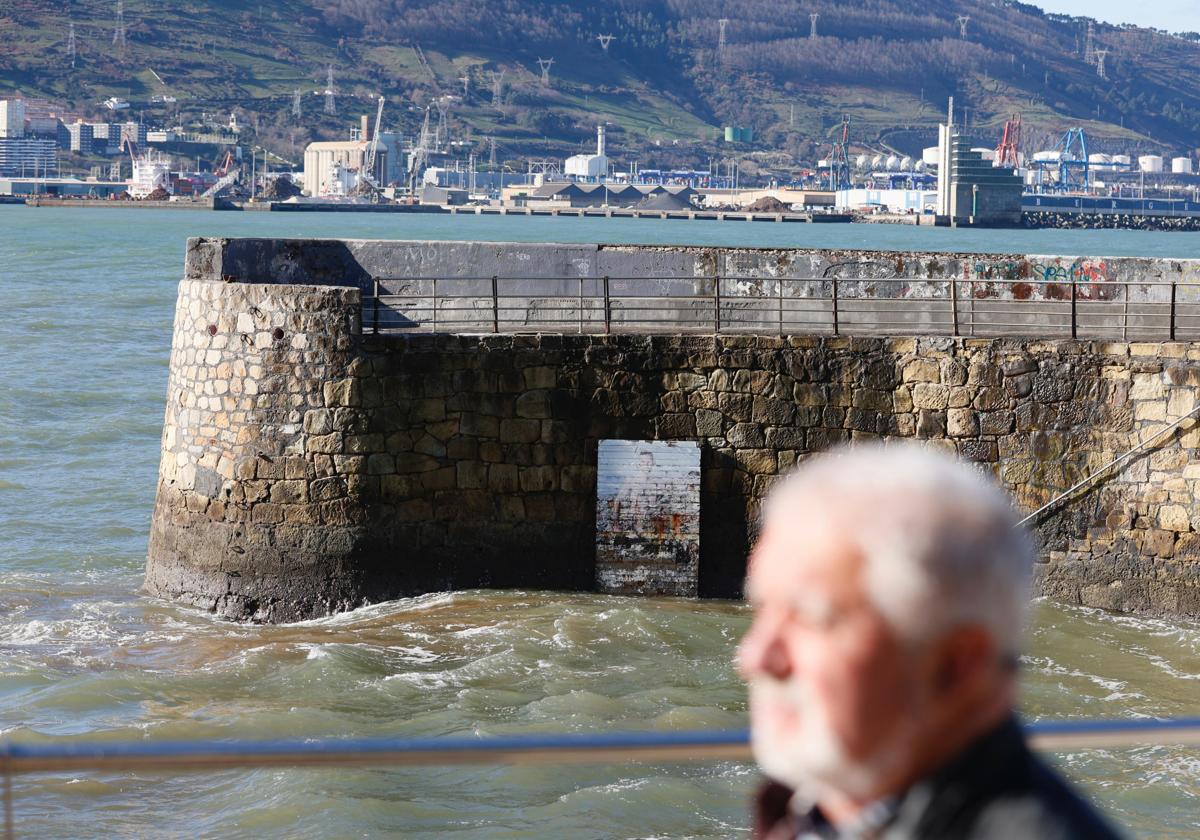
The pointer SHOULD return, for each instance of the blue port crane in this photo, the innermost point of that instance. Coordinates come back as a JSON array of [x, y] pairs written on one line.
[[839, 159], [1074, 173]]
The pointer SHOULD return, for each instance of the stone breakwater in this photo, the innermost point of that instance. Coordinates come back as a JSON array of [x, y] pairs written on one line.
[[308, 468]]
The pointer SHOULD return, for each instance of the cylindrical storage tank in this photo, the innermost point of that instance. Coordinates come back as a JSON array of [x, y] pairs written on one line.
[[1047, 155], [1150, 163], [930, 155], [1122, 160], [731, 134], [860, 162], [877, 162], [986, 154], [1099, 159], [906, 163], [892, 163], [823, 163], [1181, 165]]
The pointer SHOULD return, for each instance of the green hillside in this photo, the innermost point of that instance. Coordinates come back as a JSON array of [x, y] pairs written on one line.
[[663, 85]]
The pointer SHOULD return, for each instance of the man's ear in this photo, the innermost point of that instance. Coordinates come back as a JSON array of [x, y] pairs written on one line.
[[961, 657]]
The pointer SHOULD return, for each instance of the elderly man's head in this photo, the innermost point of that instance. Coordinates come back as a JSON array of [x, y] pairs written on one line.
[[889, 585]]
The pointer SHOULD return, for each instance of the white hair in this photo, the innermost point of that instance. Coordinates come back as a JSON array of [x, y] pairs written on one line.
[[940, 543]]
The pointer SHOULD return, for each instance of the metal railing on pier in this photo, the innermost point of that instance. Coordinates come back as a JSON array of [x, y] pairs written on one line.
[[622, 747], [1074, 308]]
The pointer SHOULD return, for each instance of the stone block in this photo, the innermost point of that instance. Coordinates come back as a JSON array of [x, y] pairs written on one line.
[[962, 422], [1180, 401], [931, 397], [871, 399], [745, 436], [415, 462], [542, 479], [995, 422], [1018, 365], [325, 489], [981, 451], [1158, 542], [471, 475], [520, 430], [328, 444], [785, 438], [542, 376], [480, 425], [343, 392], [1147, 386], [380, 464], [708, 423], [810, 395], [1154, 410], [1174, 518], [578, 479], [931, 424], [534, 404], [675, 426], [921, 370], [318, 421], [289, 491]]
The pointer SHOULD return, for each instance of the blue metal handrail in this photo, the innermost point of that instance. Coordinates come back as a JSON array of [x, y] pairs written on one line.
[[562, 748], [614, 747]]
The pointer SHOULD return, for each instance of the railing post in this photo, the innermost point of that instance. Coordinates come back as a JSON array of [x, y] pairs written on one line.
[[1125, 313], [717, 305], [954, 304], [781, 307], [836, 325], [1074, 318], [435, 304], [495, 304], [375, 313], [607, 308], [581, 305], [1174, 286]]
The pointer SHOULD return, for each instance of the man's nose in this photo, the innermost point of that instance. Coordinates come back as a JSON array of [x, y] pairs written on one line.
[[763, 652]]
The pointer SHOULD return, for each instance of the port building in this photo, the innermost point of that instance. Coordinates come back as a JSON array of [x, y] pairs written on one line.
[[589, 167]]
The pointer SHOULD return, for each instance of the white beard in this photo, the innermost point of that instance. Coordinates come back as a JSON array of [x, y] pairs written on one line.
[[805, 754]]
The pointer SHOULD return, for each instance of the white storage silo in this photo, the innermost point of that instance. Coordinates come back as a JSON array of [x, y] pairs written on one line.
[[1122, 160], [892, 163], [1150, 163], [1181, 165], [930, 155], [860, 162], [906, 164], [877, 162]]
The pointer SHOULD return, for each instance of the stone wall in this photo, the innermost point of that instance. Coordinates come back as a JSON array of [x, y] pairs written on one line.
[[307, 468]]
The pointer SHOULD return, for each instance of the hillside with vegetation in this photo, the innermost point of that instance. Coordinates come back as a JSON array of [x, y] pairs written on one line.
[[663, 84]]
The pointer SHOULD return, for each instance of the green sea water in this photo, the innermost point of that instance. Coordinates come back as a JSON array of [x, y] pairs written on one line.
[[86, 301]]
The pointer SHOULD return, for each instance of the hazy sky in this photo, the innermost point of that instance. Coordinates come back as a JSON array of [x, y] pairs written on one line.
[[1171, 15]]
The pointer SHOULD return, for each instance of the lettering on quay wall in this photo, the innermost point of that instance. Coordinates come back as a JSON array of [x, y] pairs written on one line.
[[648, 517]]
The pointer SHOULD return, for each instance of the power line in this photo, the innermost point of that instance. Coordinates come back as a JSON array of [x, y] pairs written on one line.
[[71, 44], [604, 40], [296, 103], [812, 24], [722, 23], [961, 20], [330, 104], [1099, 55]]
